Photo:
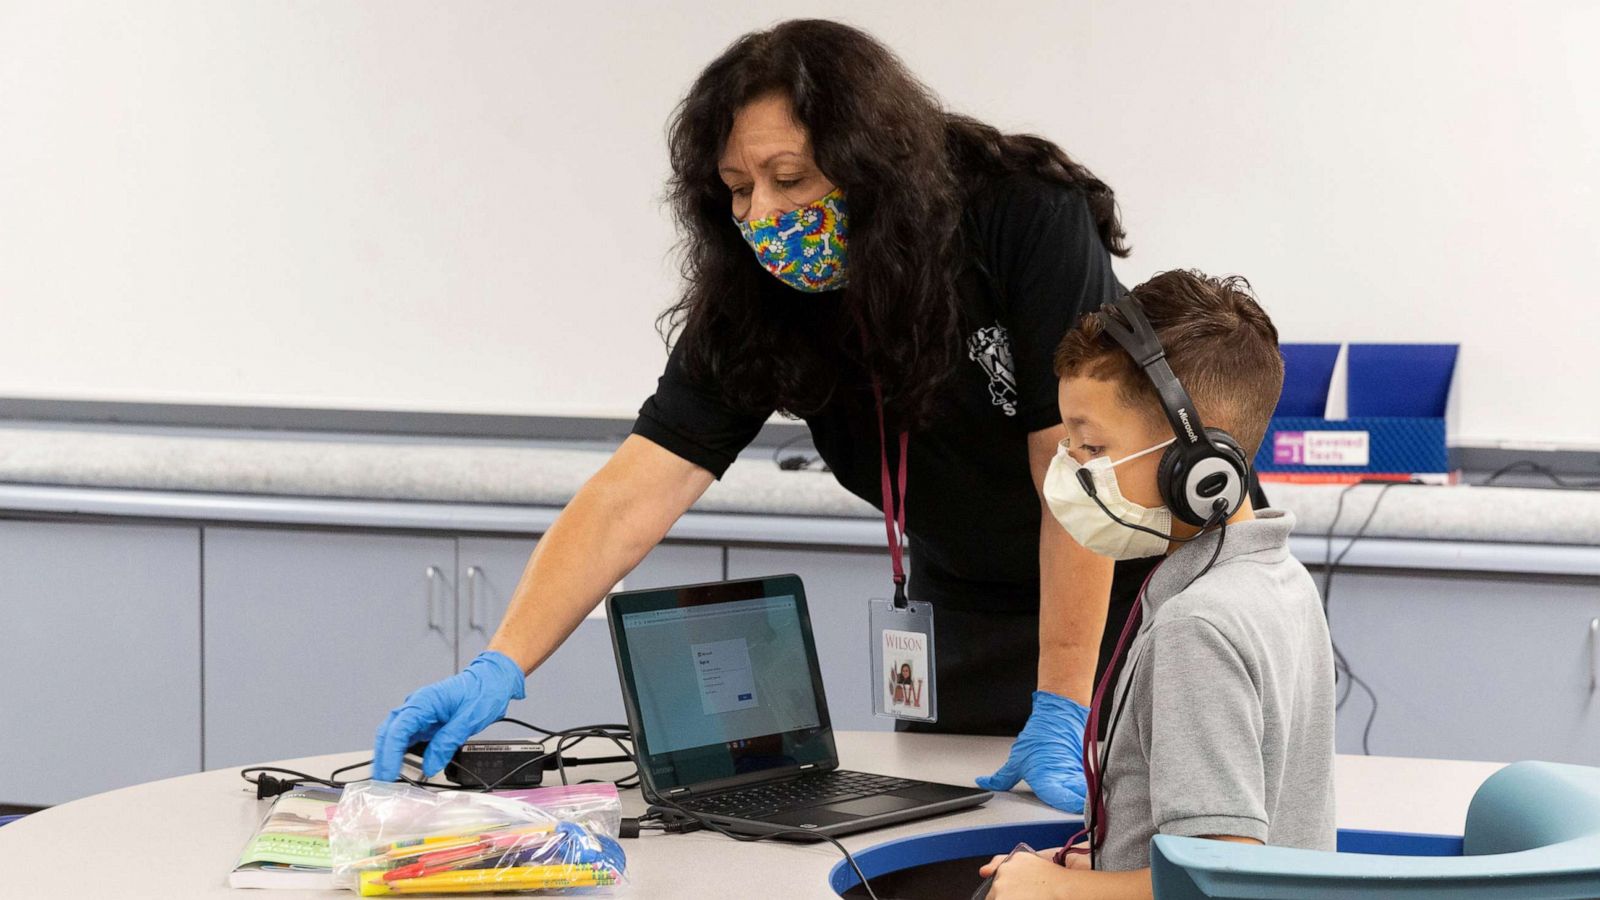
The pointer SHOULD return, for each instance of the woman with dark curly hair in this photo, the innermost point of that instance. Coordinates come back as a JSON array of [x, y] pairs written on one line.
[[857, 257]]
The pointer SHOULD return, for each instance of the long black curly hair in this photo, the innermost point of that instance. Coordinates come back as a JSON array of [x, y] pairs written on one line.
[[905, 166]]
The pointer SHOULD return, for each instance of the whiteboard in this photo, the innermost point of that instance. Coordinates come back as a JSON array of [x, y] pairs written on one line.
[[459, 207]]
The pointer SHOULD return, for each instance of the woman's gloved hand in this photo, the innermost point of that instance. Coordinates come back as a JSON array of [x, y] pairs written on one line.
[[1048, 753], [447, 713]]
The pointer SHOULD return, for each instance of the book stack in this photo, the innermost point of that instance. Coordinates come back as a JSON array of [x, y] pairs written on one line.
[[290, 848]]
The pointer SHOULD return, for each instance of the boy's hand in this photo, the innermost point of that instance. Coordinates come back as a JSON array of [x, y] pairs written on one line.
[[1048, 753], [1025, 876]]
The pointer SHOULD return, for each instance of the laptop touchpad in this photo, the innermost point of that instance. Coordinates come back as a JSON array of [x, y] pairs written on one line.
[[872, 806]]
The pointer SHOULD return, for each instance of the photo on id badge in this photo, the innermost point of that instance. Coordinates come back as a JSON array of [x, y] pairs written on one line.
[[905, 682]]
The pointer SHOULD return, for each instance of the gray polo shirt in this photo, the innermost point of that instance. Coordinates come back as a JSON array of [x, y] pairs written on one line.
[[1229, 726]]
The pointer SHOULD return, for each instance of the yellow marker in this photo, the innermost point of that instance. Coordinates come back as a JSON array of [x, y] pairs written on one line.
[[461, 838], [511, 878], [421, 846]]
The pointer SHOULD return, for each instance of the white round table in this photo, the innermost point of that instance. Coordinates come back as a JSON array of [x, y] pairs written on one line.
[[179, 838]]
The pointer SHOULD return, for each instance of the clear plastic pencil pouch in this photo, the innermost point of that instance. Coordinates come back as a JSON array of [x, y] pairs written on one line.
[[396, 839]]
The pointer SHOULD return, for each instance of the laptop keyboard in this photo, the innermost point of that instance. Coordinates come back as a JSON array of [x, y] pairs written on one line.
[[758, 801]]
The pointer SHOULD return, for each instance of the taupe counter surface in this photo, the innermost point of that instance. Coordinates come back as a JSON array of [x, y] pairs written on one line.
[[216, 474]]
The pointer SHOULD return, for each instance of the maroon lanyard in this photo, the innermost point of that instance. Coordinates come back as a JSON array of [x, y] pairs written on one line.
[[1094, 826], [894, 516]]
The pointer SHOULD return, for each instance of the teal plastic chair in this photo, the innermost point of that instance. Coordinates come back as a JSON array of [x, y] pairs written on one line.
[[1533, 831]]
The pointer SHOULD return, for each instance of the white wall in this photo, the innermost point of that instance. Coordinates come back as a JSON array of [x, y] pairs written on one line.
[[457, 207]]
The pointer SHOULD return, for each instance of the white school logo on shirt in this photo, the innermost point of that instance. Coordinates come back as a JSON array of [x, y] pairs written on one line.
[[991, 348]]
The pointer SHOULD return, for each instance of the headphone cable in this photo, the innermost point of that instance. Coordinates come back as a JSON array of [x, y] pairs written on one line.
[[1088, 488]]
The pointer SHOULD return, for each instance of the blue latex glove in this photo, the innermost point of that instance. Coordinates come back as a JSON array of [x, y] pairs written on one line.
[[1048, 753], [446, 713]]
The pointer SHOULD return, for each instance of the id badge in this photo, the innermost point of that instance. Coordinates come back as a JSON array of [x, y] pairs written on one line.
[[903, 660]]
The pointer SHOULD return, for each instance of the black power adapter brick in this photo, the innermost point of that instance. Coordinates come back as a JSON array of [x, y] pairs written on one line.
[[504, 764]]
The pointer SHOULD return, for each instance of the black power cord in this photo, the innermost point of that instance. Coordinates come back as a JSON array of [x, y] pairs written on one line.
[[1330, 563], [686, 820], [1537, 469], [267, 785], [572, 737]]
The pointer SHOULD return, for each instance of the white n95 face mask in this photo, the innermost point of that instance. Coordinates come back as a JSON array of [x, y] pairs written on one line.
[[1091, 526]]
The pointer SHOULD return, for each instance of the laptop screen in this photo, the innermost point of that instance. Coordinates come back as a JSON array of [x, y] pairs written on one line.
[[721, 680]]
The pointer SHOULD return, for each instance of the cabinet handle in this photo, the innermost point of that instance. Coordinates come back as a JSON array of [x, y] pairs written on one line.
[[1594, 654], [472, 598], [434, 574]]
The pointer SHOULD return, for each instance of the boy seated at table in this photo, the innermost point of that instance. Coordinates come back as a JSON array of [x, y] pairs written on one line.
[[1221, 723]]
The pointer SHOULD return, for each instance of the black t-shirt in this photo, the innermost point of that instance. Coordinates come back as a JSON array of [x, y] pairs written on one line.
[[972, 514]]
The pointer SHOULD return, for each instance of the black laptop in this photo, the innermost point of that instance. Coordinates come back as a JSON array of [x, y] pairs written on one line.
[[725, 700]]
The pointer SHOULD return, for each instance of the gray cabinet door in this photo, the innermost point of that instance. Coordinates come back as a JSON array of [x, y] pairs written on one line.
[[578, 684], [838, 585], [1480, 667], [312, 637], [99, 657]]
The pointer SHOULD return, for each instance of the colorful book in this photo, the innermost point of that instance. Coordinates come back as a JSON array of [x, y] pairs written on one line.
[[290, 849]]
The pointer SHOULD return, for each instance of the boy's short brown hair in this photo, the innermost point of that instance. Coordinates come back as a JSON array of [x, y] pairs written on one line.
[[1219, 342]]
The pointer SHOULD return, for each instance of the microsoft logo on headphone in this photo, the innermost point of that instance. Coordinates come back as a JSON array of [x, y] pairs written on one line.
[[1183, 413]]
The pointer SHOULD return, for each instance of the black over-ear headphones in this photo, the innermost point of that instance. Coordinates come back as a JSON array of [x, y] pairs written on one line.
[[1204, 465]]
